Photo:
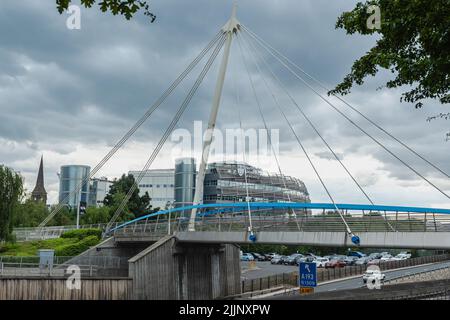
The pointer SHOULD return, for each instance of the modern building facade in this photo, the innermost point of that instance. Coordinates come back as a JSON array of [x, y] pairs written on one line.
[[230, 181], [224, 182], [39, 194], [98, 190], [185, 175], [160, 185], [69, 178]]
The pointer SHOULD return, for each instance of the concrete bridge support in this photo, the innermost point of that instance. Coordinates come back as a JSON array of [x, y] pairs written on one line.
[[172, 270]]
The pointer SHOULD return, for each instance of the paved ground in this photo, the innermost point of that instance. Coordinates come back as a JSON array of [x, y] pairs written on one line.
[[264, 269]]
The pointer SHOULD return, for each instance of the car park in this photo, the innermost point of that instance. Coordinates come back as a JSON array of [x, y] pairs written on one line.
[[275, 259], [373, 275], [363, 261], [269, 256], [291, 260], [336, 263], [320, 262], [357, 254], [351, 260], [304, 259], [247, 257], [257, 256], [374, 262]]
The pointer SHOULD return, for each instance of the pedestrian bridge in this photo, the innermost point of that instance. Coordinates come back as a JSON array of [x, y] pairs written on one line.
[[296, 224]]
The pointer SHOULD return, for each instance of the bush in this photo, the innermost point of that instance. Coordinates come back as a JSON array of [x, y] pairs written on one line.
[[82, 233], [78, 247]]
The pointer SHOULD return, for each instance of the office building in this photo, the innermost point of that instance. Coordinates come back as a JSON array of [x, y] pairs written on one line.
[[70, 177], [160, 185]]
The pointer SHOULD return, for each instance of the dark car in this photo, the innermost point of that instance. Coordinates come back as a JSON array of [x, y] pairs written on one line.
[[282, 259], [351, 260], [258, 257], [292, 259]]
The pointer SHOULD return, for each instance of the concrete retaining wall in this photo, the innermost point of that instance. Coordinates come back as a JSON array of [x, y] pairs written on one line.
[[170, 270]]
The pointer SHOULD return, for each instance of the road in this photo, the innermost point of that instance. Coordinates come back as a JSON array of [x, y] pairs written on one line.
[[357, 282]]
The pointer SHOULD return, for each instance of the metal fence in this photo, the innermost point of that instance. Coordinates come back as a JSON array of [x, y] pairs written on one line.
[[30, 266]]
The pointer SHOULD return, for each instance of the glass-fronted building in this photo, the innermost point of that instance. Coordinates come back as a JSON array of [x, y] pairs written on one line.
[[226, 182], [185, 175], [99, 188], [69, 178]]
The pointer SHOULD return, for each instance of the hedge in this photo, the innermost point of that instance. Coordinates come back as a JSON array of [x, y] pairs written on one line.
[[77, 248], [82, 233]]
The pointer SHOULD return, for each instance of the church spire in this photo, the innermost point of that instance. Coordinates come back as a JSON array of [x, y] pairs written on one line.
[[39, 193]]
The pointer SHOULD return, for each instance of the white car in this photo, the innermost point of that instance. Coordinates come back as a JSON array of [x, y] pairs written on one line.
[[401, 256], [387, 257], [373, 274], [320, 262]]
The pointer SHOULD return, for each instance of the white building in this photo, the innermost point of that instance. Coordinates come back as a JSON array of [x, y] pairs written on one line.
[[159, 183]]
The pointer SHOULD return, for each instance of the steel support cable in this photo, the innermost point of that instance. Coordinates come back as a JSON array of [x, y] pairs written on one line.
[[136, 126], [310, 161], [323, 86], [264, 121], [277, 79], [250, 224], [357, 126], [314, 168], [168, 131]]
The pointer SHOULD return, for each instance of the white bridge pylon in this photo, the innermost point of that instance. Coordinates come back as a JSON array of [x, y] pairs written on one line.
[[230, 28]]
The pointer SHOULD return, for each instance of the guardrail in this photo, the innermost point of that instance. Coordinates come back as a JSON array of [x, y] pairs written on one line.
[[409, 276], [324, 275], [34, 269]]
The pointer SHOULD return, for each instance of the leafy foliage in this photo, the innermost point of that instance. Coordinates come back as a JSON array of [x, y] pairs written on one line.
[[137, 205], [11, 191], [82, 233], [29, 214], [414, 44], [70, 243], [126, 8]]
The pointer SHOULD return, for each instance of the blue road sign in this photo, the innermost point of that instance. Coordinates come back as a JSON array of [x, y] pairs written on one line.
[[308, 274]]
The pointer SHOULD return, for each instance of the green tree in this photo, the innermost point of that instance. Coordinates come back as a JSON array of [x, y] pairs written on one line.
[[96, 215], [126, 8], [137, 205], [29, 214], [414, 45], [11, 192]]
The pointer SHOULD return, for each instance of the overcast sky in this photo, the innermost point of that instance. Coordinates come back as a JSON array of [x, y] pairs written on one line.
[[71, 94]]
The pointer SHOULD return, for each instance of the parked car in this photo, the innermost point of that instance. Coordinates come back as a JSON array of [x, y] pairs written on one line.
[[336, 263], [374, 262], [401, 256], [351, 260], [320, 262], [375, 255], [292, 259], [269, 256], [387, 257], [356, 254], [247, 257], [373, 274], [275, 259], [258, 257], [304, 259], [405, 254], [363, 261]]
